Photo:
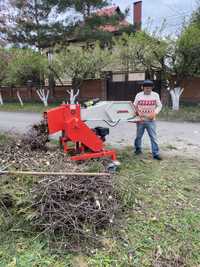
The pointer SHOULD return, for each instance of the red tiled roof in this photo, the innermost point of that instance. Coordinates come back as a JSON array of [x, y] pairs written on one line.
[[107, 11], [114, 28], [110, 11]]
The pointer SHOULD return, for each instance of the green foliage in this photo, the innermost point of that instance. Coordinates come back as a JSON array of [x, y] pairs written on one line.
[[26, 65], [79, 64], [168, 56], [188, 60], [5, 58], [196, 15], [183, 52], [149, 52], [33, 25], [45, 23], [84, 7], [89, 27], [93, 28], [140, 51]]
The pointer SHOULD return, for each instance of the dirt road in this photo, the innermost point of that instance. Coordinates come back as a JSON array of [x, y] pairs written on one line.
[[174, 137]]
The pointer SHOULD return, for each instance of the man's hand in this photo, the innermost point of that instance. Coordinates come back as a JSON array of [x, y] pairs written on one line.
[[151, 116]]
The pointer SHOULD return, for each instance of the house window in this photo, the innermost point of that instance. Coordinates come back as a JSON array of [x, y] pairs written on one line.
[[136, 76]]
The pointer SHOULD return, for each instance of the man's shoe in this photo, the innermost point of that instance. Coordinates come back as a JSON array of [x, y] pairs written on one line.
[[138, 152], [158, 157]]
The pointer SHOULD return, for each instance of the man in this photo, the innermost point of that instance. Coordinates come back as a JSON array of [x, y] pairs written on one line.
[[147, 105]]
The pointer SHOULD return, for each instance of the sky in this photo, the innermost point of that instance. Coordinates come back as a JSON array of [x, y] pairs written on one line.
[[154, 12]]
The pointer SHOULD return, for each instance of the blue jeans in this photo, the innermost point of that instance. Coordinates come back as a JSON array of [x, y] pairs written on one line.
[[150, 126]]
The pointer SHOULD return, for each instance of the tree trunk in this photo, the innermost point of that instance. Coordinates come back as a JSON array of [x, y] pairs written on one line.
[[1, 98], [72, 96], [51, 77], [43, 97], [20, 99], [76, 85], [175, 96], [165, 97]]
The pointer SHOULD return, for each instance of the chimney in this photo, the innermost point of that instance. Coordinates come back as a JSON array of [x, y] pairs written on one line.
[[137, 15]]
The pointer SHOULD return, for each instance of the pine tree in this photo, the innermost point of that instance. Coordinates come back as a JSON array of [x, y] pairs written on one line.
[[38, 23], [33, 25], [94, 27], [89, 25], [196, 16], [84, 7]]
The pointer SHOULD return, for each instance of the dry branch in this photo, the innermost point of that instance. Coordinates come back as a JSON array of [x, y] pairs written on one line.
[[69, 209], [54, 173], [75, 208]]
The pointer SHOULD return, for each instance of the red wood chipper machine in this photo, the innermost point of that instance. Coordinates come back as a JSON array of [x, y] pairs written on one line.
[[88, 143]]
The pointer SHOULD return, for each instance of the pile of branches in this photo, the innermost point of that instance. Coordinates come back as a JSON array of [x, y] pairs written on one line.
[[74, 208], [70, 210], [15, 155], [37, 136]]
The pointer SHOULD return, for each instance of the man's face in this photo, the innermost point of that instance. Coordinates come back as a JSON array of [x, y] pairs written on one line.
[[147, 90]]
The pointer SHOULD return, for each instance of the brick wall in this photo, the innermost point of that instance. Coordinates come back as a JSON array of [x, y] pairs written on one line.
[[94, 89], [89, 89], [191, 93]]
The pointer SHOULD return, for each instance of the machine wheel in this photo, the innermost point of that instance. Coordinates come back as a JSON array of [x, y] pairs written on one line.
[[113, 166]]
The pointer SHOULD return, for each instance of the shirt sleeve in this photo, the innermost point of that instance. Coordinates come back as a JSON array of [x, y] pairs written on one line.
[[158, 105], [135, 103]]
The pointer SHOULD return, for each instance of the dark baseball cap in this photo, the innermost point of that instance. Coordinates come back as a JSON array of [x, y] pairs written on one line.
[[147, 83]]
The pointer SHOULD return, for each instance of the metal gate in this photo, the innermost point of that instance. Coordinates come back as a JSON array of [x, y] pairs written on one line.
[[126, 90]]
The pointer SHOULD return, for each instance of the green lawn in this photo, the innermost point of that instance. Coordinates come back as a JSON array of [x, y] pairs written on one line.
[[159, 227], [186, 113], [28, 107]]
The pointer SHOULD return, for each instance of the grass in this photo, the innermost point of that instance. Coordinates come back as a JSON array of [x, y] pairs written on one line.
[[164, 209], [28, 107], [160, 225], [186, 113]]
